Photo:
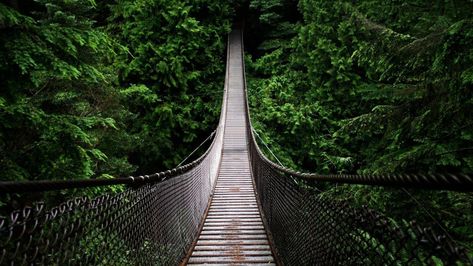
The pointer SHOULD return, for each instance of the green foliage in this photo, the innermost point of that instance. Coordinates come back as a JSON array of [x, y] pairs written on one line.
[[172, 73], [111, 88], [371, 87], [108, 88], [57, 102]]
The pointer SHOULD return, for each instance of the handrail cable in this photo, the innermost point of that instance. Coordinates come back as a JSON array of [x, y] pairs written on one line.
[[266, 145], [198, 147], [277, 159], [50, 185], [438, 181], [429, 214]]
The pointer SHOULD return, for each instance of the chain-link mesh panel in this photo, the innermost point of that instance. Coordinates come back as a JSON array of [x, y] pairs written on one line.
[[152, 224], [311, 229]]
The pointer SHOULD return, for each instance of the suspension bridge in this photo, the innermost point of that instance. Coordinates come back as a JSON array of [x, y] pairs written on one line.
[[231, 206]]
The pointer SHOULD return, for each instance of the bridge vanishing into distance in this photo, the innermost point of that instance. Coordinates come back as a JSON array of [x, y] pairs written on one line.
[[231, 206]]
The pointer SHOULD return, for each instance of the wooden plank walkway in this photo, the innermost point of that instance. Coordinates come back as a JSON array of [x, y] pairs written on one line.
[[233, 232]]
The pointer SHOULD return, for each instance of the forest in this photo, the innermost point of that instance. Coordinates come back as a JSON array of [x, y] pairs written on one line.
[[370, 87], [102, 89]]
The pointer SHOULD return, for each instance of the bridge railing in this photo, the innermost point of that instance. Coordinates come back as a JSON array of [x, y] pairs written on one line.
[[152, 222], [310, 228]]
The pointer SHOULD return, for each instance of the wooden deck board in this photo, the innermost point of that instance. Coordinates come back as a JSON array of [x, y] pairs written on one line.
[[233, 232]]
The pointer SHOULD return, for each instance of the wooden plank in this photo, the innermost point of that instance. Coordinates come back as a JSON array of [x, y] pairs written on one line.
[[236, 222], [233, 232], [232, 259], [234, 264], [231, 211], [232, 242], [232, 252], [234, 213], [233, 223], [234, 208], [236, 199], [216, 216], [234, 205], [228, 227], [230, 193], [234, 237], [235, 195], [231, 247]]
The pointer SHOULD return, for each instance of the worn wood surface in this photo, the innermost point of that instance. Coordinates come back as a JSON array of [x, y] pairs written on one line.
[[233, 232]]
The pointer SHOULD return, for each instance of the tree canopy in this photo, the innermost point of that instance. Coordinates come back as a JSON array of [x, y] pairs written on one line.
[[110, 88]]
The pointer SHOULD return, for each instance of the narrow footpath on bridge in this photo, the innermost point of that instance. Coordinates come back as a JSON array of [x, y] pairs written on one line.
[[233, 231]]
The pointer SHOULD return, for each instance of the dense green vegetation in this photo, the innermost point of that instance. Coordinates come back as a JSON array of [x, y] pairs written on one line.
[[112, 88], [369, 87], [109, 88]]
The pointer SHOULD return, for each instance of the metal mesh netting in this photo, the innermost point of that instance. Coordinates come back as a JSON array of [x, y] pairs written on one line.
[[152, 224], [311, 229]]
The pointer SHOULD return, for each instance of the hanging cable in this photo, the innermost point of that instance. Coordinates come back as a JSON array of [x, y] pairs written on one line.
[[428, 213], [264, 143], [274, 155], [198, 147]]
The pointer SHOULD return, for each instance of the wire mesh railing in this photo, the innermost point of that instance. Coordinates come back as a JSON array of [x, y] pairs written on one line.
[[312, 228], [152, 224]]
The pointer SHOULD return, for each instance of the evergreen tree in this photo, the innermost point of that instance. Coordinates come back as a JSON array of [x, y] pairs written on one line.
[[58, 102], [373, 88], [172, 74]]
